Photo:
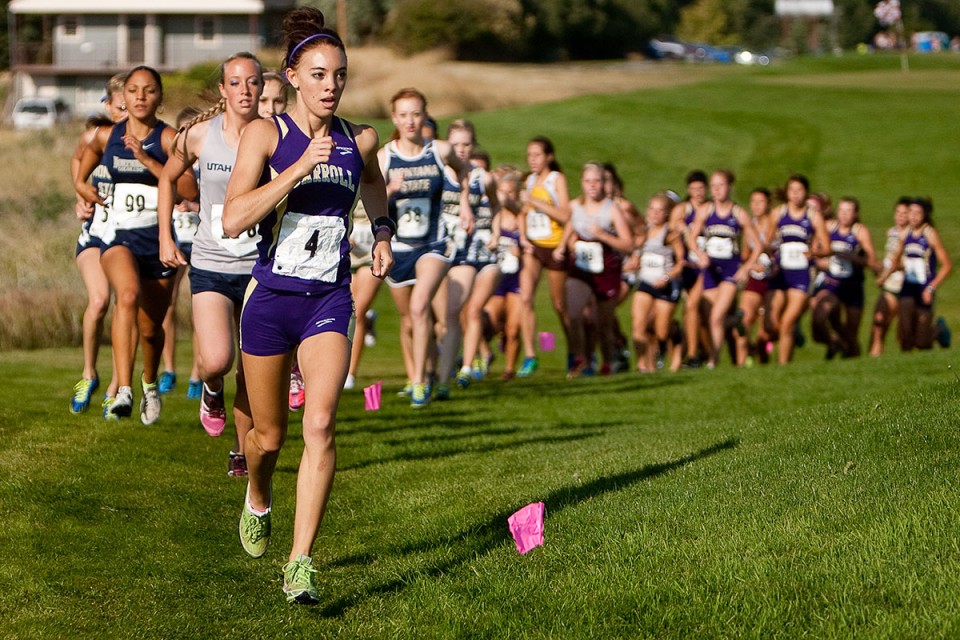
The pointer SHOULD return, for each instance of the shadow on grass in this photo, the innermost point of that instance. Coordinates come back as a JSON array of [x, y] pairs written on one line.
[[434, 453], [466, 545]]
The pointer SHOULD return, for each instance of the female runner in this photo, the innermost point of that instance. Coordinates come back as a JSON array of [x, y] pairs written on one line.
[[800, 234], [926, 264], [546, 211], [691, 279], [838, 300], [413, 169], [659, 249], [298, 175], [593, 244], [724, 225], [131, 156], [185, 220], [503, 311], [474, 266], [220, 266], [88, 258], [888, 302], [754, 295]]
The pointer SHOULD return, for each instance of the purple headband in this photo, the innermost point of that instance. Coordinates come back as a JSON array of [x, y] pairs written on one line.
[[313, 37]]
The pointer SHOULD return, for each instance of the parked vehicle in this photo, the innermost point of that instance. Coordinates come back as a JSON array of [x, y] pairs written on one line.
[[668, 48], [39, 113]]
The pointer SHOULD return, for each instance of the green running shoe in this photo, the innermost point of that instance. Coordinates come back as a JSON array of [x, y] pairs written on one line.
[[300, 581], [254, 529], [463, 377], [406, 391], [106, 404], [528, 367], [81, 394], [419, 397]]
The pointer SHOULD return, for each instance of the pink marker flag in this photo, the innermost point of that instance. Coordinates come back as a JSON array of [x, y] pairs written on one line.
[[547, 341], [371, 396], [526, 525]]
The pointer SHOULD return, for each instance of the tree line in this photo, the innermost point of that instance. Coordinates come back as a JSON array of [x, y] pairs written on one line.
[[550, 30]]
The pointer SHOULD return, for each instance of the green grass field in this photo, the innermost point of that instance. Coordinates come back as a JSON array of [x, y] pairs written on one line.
[[815, 500]]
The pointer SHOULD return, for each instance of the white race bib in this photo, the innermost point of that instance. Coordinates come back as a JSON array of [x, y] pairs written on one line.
[[588, 256], [308, 247], [508, 260], [793, 255], [720, 248], [185, 225], [100, 224], [134, 206], [915, 270], [460, 237], [362, 239], [413, 218], [840, 268], [692, 257], [538, 225], [652, 267], [245, 245]]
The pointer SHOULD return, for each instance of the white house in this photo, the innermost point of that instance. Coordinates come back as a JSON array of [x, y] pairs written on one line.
[[84, 42]]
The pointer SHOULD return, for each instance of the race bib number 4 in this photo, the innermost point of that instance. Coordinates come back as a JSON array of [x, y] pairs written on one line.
[[240, 247], [308, 247]]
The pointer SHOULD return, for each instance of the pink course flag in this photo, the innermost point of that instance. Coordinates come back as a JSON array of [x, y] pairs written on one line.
[[526, 525], [371, 396], [547, 341]]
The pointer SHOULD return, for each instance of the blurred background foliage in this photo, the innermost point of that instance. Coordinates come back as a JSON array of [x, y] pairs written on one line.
[[551, 30]]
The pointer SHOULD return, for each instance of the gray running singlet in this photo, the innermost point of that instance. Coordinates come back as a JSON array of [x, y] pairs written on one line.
[[212, 249]]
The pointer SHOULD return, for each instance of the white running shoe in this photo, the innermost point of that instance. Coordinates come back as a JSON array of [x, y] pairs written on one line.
[[122, 405], [149, 403]]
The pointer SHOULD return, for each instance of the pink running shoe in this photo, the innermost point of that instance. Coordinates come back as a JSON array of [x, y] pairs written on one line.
[[296, 390], [213, 415], [238, 466]]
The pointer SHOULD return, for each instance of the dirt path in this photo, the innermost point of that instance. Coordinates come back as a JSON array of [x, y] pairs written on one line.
[[454, 87]]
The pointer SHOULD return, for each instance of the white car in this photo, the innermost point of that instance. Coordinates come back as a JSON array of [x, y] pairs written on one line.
[[39, 113]]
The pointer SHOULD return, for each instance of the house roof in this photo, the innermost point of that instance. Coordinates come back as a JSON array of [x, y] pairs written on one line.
[[127, 7]]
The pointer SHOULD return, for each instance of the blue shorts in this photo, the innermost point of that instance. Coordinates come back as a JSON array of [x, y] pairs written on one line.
[[719, 271], [785, 279], [689, 277], [229, 285], [187, 250], [669, 293], [849, 291], [509, 283], [144, 244], [86, 241], [404, 271], [914, 291], [275, 322]]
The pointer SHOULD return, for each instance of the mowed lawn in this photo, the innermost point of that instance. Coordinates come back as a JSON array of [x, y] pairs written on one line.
[[812, 500]]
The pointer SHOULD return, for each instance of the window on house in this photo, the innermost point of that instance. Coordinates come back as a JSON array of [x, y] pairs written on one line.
[[71, 26], [207, 28]]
